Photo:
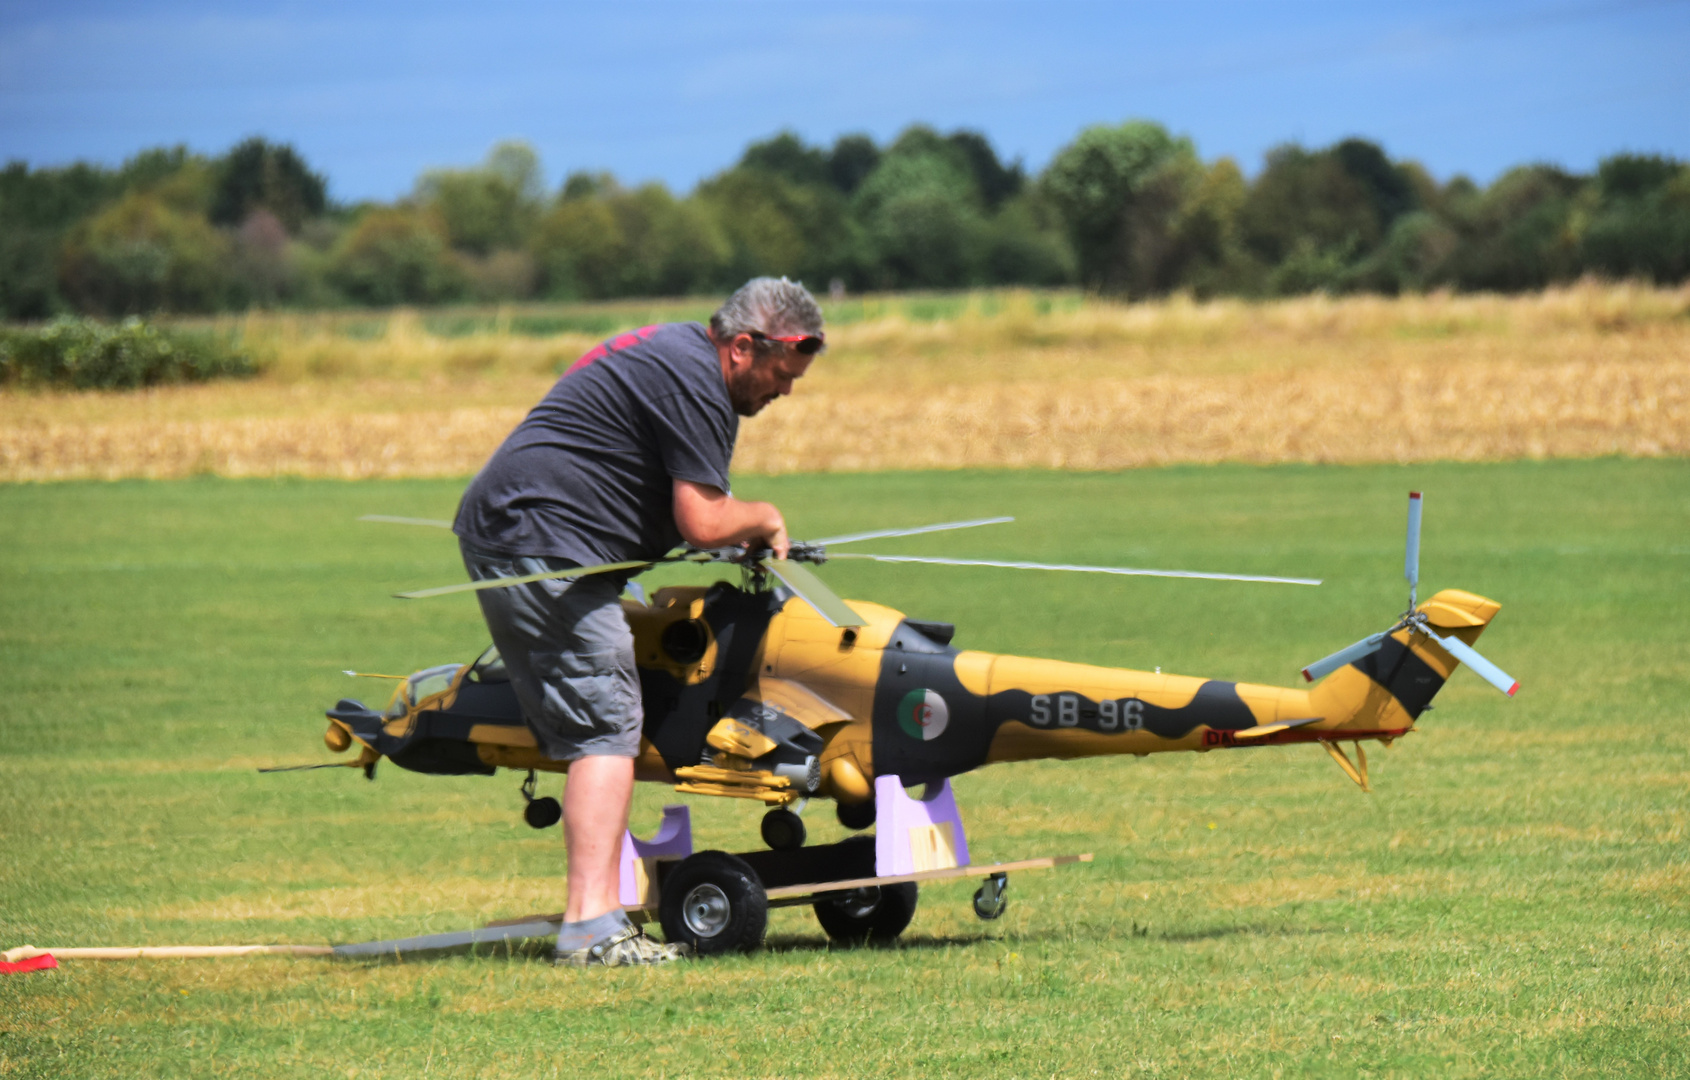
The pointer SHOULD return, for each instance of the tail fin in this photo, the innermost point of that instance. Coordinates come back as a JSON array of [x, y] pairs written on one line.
[[1386, 691]]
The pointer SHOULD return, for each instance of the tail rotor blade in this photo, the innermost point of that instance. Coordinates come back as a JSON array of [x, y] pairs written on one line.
[[813, 591], [1483, 668], [1411, 564], [1367, 646]]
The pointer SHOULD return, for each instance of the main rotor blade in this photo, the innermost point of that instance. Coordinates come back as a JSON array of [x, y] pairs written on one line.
[[303, 768], [389, 519], [506, 582], [813, 591], [1367, 646], [1411, 563], [887, 533], [1483, 668], [1123, 570]]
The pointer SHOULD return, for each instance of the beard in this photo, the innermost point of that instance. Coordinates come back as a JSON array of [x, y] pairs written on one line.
[[747, 407], [744, 396]]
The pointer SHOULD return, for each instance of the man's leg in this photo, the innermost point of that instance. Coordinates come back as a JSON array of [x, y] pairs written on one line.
[[595, 817], [595, 929], [570, 658]]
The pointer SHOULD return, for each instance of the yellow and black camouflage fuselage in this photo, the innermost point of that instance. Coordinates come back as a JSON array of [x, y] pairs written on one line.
[[754, 695]]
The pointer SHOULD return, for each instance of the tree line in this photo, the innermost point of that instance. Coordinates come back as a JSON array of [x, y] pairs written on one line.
[[1128, 210]]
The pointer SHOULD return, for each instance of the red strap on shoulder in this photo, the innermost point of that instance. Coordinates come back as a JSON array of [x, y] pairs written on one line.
[[621, 341]]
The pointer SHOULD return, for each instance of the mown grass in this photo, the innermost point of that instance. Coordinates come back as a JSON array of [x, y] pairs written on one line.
[[1511, 900]]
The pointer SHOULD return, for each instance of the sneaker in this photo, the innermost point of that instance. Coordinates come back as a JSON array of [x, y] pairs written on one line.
[[625, 948]]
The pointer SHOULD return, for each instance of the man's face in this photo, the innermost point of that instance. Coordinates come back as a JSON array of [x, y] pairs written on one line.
[[754, 381]]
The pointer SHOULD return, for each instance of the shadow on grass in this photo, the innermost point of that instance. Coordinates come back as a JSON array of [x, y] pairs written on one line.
[[791, 943], [531, 950]]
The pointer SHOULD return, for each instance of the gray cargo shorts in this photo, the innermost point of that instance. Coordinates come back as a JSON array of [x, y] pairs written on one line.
[[569, 653]]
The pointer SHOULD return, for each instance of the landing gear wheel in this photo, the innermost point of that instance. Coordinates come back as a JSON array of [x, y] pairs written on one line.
[[714, 902], [989, 898], [539, 813], [543, 813], [856, 816], [783, 830], [876, 914]]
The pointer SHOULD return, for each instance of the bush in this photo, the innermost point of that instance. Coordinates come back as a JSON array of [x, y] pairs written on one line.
[[395, 256], [258, 175], [1098, 181], [84, 354], [1308, 209], [921, 218], [1641, 227], [1522, 232], [490, 208], [605, 241], [143, 254]]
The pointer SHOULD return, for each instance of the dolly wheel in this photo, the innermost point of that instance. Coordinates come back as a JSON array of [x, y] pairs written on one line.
[[543, 813], [876, 914], [989, 898], [783, 830], [714, 902]]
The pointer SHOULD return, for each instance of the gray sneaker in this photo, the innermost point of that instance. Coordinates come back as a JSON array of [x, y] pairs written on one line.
[[625, 948]]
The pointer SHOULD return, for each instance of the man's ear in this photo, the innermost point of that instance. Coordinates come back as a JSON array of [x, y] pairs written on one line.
[[742, 351]]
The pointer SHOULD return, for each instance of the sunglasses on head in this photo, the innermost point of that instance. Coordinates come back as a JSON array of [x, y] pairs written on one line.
[[808, 344]]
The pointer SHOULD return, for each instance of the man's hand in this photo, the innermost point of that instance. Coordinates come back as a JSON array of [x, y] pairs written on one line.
[[710, 518]]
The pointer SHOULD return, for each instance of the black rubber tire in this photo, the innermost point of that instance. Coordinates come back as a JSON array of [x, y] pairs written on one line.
[[783, 830], [987, 911], [730, 910], [543, 813], [855, 816], [858, 918]]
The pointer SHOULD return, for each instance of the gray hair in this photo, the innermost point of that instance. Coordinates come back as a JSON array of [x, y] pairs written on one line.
[[770, 305]]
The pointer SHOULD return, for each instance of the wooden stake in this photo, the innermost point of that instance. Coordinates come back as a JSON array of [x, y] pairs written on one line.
[[167, 952]]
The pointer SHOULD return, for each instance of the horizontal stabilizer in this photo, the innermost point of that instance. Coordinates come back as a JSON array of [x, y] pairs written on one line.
[[1261, 731]]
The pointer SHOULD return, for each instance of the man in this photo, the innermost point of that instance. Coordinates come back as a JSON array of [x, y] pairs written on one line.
[[625, 457]]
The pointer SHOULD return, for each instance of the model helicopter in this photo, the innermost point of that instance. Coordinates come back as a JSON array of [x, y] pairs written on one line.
[[775, 690]]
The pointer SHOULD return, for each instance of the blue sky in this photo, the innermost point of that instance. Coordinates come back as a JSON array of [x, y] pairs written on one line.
[[373, 93]]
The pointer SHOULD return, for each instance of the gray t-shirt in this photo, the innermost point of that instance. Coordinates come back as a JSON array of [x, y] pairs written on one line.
[[589, 474]]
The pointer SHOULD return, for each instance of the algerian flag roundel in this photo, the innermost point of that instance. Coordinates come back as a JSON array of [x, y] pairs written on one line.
[[923, 714]]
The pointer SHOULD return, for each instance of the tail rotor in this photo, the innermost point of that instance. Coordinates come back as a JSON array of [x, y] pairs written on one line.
[[1415, 621]]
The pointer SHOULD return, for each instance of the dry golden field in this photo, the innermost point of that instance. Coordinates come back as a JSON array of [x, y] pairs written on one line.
[[992, 379]]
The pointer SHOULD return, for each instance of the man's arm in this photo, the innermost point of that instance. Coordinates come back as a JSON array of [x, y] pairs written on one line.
[[709, 518]]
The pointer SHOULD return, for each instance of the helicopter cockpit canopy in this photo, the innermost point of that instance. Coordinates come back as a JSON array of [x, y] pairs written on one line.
[[420, 685]]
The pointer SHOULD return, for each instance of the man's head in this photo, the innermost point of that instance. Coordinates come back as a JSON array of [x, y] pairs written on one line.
[[766, 334]]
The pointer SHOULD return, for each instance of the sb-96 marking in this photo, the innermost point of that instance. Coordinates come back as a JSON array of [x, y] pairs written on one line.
[[1064, 710]]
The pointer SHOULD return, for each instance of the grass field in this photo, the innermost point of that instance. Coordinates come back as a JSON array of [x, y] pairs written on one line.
[[991, 379], [1510, 902]]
